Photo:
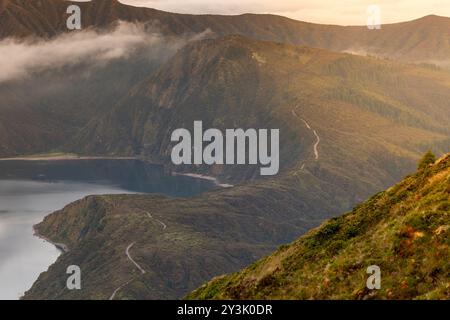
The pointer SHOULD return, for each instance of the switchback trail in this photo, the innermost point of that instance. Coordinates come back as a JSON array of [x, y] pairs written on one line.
[[127, 252], [164, 226], [316, 145]]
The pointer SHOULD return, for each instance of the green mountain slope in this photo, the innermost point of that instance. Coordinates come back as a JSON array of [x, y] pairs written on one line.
[[422, 40], [61, 101], [382, 113], [369, 137], [404, 230]]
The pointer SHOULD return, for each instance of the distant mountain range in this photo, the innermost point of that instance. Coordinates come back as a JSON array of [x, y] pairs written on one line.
[[422, 40]]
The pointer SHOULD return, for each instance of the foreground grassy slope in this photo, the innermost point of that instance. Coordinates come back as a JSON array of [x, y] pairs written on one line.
[[404, 230]]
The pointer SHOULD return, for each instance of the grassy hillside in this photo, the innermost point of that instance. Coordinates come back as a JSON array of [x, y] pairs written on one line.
[[404, 230], [374, 117]]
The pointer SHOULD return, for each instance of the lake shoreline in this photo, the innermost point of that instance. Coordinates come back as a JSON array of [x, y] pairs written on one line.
[[66, 157], [76, 157], [37, 186], [203, 177], [60, 246]]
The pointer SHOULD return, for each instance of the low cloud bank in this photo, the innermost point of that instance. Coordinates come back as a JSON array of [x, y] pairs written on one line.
[[24, 58]]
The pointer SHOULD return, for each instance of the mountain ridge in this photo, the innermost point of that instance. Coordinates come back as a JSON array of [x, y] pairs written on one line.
[[420, 40]]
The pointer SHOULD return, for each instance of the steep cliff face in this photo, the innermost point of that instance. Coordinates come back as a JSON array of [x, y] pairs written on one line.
[[405, 231]]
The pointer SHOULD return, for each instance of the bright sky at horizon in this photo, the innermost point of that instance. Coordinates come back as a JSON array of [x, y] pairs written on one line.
[[343, 12]]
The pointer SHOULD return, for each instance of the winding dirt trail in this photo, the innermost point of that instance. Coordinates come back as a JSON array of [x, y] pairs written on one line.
[[127, 253], [164, 226], [118, 289], [316, 145]]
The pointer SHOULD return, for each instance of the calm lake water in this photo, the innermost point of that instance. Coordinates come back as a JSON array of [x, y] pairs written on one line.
[[31, 190]]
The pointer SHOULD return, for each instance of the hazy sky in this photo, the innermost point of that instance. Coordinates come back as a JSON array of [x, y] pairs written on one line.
[[344, 12]]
